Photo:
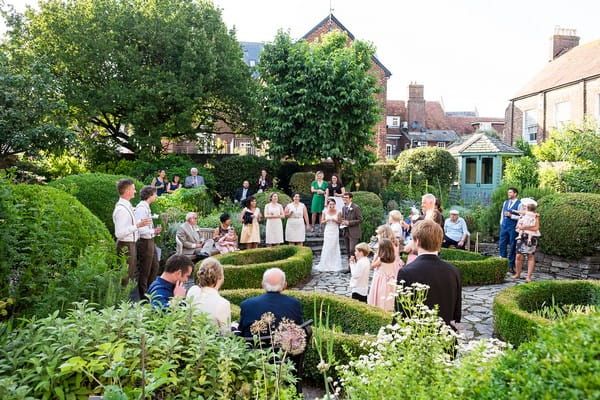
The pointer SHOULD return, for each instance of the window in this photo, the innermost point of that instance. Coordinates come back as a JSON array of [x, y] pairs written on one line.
[[393, 121], [471, 170], [246, 148], [253, 63], [441, 145], [487, 170], [530, 126], [421, 143], [562, 113], [389, 150]]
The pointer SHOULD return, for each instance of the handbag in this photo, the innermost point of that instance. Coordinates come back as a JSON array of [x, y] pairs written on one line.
[[247, 218]]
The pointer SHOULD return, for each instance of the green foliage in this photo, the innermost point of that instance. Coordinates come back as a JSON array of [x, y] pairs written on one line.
[[514, 317], [244, 269], [475, 268], [561, 363], [372, 212], [143, 70], [53, 166], [98, 192], [569, 224], [319, 99], [524, 146], [30, 108], [300, 183], [426, 164], [132, 352], [195, 199], [521, 172], [231, 172], [582, 177], [57, 250], [263, 198]]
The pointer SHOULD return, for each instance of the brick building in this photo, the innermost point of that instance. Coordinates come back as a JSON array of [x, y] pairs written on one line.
[[566, 89]]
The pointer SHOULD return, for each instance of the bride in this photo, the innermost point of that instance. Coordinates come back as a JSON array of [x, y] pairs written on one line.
[[331, 258]]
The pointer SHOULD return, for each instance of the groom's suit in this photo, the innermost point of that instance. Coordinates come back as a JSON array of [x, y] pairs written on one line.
[[353, 214]]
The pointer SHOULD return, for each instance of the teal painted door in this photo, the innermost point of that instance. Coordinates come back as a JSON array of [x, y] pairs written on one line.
[[479, 178]]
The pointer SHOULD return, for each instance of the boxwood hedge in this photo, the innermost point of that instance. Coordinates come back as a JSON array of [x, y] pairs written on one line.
[[352, 320], [372, 212], [475, 268], [513, 307], [97, 192], [244, 269]]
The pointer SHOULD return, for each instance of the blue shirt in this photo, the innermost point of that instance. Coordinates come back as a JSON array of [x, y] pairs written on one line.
[[161, 291], [455, 230]]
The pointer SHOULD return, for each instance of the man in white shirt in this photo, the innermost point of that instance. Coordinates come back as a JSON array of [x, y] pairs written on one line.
[[455, 231], [126, 226], [146, 249], [194, 180]]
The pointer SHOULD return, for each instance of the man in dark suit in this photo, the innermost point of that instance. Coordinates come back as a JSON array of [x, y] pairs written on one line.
[[508, 224], [273, 301], [243, 193], [351, 220], [443, 279]]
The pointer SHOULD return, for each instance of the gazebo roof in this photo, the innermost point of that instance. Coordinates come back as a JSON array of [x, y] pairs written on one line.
[[480, 143]]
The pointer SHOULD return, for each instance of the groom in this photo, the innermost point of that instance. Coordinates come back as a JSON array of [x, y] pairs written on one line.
[[351, 220]]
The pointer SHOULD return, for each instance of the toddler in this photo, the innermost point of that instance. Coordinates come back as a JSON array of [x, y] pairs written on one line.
[[395, 221], [527, 218], [227, 243], [359, 268]]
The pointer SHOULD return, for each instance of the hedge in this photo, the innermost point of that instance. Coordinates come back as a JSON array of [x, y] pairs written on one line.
[[244, 269], [513, 318], [569, 224], [372, 212], [352, 320], [563, 362], [300, 183], [196, 199], [231, 172], [475, 268], [98, 192], [263, 198]]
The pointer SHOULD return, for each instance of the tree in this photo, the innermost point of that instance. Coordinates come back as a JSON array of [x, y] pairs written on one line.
[[319, 99], [431, 164], [29, 105], [135, 71]]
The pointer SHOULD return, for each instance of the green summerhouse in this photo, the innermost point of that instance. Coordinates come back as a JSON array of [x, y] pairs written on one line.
[[481, 161]]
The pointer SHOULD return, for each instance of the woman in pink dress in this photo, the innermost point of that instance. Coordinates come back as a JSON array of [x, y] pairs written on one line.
[[383, 287]]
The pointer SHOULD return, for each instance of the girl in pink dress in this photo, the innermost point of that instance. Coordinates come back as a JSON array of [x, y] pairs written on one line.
[[386, 232], [383, 287]]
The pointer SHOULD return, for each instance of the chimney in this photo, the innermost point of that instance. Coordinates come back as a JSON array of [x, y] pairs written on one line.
[[415, 108], [563, 40]]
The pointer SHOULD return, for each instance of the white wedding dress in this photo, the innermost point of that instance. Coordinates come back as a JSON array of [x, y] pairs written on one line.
[[331, 257]]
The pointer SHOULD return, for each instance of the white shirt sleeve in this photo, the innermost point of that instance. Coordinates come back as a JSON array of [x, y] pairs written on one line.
[[143, 211], [122, 221]]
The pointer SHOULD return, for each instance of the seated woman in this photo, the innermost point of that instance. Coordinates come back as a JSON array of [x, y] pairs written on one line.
[[205, 298], [174, 185], [224, 236]]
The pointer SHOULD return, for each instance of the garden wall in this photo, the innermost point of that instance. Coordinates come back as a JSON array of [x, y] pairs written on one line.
[[562, 267]]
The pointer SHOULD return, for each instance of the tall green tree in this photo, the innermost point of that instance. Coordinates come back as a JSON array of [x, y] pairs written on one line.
[[319, 99], [136, 71]]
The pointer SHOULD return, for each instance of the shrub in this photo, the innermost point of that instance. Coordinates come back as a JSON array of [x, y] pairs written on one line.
[[372, 212], [513, 308], [231, 172], [300, 183], [131, 352], [426, 164], [263, 198], [569, 224], [353, 318], [561, 363], [57, 251], [521, 172], [475, 268], [98, 192], [196, 199], [244, 269]]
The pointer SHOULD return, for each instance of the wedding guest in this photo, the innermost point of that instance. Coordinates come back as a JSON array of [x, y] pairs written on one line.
[[168, 288], [264, 182], [383, 286], [194, 180], [360, 268], [317, 188], [205, 297], [250, 217], [336, 190], [174, 185], [243, 193], [529, 223], [386, 232], [146, 249], [395, 220], [297, 221], [193, 245], [225, 229], [274, 227], [160, 182], [455, 231]]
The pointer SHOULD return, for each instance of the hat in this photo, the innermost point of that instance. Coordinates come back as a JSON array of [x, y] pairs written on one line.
[[454, 212], [528, 200]]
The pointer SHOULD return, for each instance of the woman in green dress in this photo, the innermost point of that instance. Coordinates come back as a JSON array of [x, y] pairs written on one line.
[[317, 187]]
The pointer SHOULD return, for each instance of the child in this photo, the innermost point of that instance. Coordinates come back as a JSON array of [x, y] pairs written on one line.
[[227, 243], [386, 232], [395, 221], [527, 218], [383, 286], [360, 267]]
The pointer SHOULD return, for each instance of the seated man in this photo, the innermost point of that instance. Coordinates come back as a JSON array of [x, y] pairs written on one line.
[[193, 245], [455, 231], [169, 285], [243, 193], [272, 301], [443, 279]]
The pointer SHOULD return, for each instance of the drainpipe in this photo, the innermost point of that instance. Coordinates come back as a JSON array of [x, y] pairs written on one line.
[[544, 111], [512, 121]]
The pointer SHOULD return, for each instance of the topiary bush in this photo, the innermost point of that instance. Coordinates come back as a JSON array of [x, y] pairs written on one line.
[[351, 319], [569, 224], [561, 363], [98, 192], [475, 268], [57, 250], [372, 212], [426, 164], [231, 172], [300, 183], [132, 352], [244, 269], [513, 308]]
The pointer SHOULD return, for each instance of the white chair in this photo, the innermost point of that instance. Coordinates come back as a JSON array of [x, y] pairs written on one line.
[[178, 246]]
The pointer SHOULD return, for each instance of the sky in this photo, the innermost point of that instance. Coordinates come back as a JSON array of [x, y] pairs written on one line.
[[468, 54]]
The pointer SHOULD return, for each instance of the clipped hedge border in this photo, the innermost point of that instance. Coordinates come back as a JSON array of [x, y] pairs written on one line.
[[353, 318], [513, 307], [244, 269]]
